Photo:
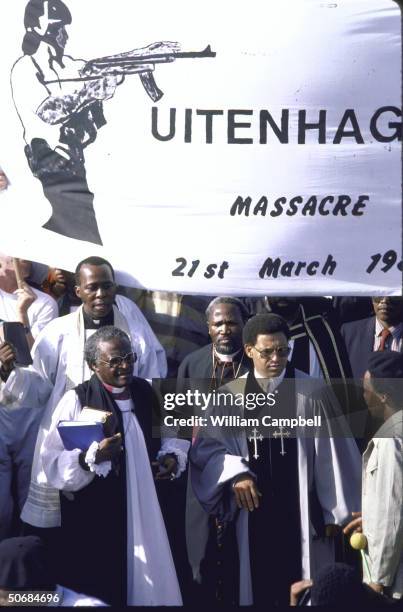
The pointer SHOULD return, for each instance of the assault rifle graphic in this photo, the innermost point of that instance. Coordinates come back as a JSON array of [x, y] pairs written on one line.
[[140, 61]]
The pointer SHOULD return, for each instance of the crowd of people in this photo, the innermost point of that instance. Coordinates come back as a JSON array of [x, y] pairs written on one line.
[[220, 517]]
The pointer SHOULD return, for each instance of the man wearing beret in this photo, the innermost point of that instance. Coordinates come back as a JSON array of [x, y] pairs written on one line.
[[381, 519]]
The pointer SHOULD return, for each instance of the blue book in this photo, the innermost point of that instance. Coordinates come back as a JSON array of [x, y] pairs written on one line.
[[80, 434]]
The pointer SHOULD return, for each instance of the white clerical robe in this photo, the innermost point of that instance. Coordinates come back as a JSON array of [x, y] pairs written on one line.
[[22, 400], [58, 355], [332, 464], [151, 576]]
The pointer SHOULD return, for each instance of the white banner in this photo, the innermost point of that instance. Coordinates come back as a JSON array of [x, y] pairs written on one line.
[[215, 147]]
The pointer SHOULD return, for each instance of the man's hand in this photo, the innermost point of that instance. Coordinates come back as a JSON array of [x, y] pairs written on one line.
[[26, 297], [166, 465], [355, 525], [297, 589], [378, 588], [7, 360], [246, 493], [109, 448], [3, 181]]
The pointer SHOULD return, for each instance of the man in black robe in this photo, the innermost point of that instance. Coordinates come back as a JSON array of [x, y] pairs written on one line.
[[206, 369], [223, 359], [114, 540], [284, 495]]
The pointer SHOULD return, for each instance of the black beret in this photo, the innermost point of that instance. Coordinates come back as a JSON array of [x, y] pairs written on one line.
[[386, 364]]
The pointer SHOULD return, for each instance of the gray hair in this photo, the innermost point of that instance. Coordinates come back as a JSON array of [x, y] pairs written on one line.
[[233, 301], [104, 334]]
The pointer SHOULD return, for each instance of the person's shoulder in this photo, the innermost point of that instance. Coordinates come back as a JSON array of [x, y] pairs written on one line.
[[129, 309], [71, 396], [123, 301], [301, 374], [389, 449], [235, 386], [200, 352], [312, 388], [43, 299], [142, 386], [353, 327], [194, 357], [308, 385], [58, 327], [392, 428]]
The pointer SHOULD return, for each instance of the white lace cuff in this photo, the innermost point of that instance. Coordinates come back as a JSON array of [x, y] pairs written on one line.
[[100, 469], [181, 458]]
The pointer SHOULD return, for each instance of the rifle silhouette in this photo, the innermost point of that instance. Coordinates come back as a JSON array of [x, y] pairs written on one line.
[[141, 62]]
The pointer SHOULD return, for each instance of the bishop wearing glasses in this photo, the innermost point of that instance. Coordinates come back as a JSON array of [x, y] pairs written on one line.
[[114, 542], [283, 493]]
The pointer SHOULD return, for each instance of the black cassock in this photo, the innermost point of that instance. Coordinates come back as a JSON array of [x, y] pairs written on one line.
[[275, 527]]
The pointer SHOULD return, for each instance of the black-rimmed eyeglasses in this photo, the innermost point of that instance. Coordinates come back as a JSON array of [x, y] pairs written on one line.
[[281, 351], [116, 362]]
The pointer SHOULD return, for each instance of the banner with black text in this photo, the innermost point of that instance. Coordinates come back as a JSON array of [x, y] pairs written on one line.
[[215, 148]]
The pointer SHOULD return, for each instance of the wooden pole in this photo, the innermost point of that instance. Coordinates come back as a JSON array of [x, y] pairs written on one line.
[[17, 270]]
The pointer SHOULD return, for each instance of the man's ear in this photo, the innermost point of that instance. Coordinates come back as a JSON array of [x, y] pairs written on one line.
[[93, 366], [77, 291], [248, 350]]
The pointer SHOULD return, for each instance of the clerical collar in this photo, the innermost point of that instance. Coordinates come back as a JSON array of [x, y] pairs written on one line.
[[90, 323], [269, 385], [119, 393], [226, 358]]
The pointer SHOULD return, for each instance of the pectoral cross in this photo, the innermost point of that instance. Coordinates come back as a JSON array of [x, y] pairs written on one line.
[[281, 434], [255, 438]]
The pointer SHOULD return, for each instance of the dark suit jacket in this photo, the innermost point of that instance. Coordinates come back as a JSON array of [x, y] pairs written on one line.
[[199, 364], [359, 340]]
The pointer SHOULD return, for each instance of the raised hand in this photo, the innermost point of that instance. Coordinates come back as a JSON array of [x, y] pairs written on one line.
[[26, 297], [7, 359]]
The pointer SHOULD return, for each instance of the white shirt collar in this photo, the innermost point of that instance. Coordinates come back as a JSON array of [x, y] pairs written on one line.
[[269, 384], [226, 358], [395, 330]]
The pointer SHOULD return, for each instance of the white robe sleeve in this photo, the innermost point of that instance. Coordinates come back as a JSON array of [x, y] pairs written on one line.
[[178, 447], [24, 387], [46, 351], [62, 467], [337, 464], [152, 359], [213, 468], [41, 312]]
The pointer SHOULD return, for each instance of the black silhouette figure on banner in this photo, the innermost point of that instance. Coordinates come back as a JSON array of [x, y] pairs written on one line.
[[59, 101]]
